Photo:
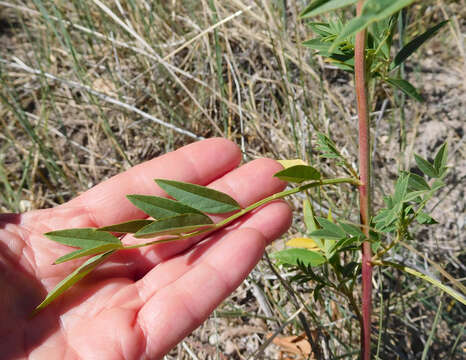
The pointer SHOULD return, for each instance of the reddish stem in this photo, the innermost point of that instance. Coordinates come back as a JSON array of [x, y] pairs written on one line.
[[364, 189]]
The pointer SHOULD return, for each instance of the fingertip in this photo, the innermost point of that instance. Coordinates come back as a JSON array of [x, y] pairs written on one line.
[[220, 148]]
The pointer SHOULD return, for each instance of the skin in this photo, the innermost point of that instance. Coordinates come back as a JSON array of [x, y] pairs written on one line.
[[140, 303]]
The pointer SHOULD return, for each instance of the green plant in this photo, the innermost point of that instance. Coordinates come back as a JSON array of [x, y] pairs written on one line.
[[363, 46], [186, 216], [350, 265], [174, 220]]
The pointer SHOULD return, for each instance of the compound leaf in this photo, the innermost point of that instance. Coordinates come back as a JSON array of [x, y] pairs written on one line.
[[327, 147]]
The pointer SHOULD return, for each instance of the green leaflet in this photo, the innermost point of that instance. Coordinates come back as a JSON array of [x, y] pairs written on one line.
[[343, 244], [312, 5], [178, 224], [417, 183], [351, 229], [131, 226], [199, 197], [415, 44], [85, 252], [322, 6], [426, 167], [406, 87], [85, 238], [299, 256], [160, 207], [73, 278], [329, 230], [298, 173], [322, 29], [401, 189], [424, 218], [318, 45], [440, 161]]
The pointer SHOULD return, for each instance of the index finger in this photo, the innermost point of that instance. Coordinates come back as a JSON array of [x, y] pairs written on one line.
[[200, 163]]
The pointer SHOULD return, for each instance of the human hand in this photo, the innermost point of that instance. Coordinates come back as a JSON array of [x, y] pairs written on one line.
[[141, 302]]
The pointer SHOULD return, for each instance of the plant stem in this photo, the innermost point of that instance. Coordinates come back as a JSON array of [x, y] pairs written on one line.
[[254, 206], [364, 188]]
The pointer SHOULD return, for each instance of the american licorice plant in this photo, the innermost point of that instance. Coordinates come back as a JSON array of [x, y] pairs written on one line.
[[361, 46]]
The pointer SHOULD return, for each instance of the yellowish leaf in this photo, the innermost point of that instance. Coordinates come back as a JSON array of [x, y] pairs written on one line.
[[302, 242], [293, 162]]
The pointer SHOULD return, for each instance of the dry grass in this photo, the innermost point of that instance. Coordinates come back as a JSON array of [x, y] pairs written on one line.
[[86, 91]]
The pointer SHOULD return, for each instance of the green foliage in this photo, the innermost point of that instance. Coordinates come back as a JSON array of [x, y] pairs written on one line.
[[322, 6], [335, 39], [299, 256], [131, 226], [327, 147], [199, 197], [73, 278], [411, 195], [415, 44], [176, 219], [86, 252], [372, 11], [173, 218], [406, 87], [178, 224], [84, 238], [298, 174], [160, 207]]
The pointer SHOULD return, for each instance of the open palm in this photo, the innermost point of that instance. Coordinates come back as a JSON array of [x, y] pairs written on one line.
[[141, 302]]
